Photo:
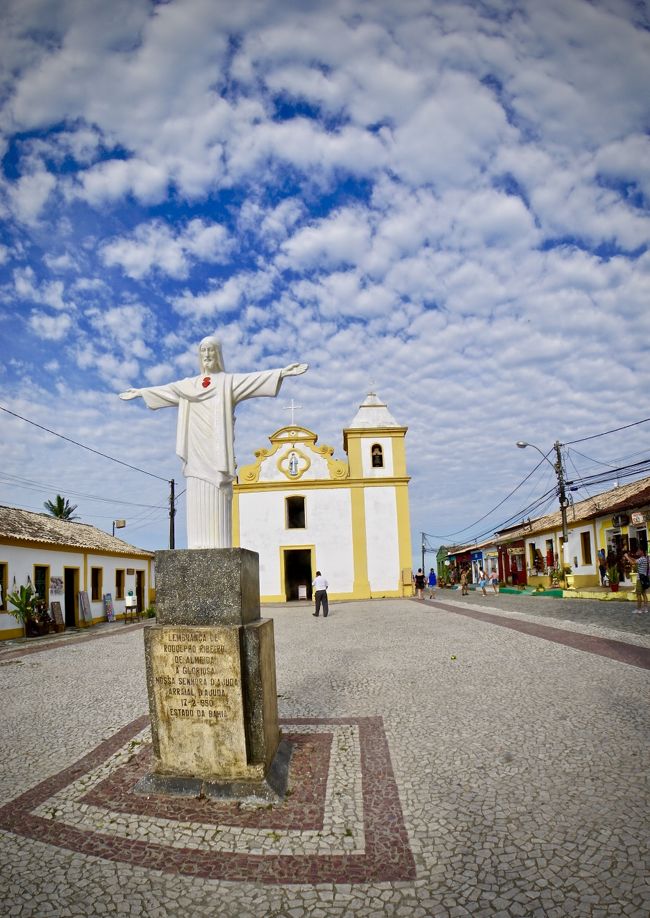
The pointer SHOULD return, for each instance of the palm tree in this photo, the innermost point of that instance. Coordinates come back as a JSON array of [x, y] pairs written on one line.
[[61, 508]]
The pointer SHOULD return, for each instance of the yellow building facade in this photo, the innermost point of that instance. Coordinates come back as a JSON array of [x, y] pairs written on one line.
[[302, 510]]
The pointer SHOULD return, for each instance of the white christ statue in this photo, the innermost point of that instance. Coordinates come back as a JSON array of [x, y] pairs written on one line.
[[205, 436]]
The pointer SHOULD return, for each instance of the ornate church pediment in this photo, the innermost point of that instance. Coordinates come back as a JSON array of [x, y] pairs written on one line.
[[293, 456]]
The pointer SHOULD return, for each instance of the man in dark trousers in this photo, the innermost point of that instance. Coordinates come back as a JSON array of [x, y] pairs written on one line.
[[320, 594]]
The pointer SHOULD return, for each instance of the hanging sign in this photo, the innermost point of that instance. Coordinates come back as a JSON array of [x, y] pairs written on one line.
[[638, 518]]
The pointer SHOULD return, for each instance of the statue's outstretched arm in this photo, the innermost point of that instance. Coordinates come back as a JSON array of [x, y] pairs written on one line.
[[131, 393], [294, 369]]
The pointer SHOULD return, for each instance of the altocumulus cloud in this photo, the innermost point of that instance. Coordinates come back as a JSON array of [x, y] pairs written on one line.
[[446, 202]]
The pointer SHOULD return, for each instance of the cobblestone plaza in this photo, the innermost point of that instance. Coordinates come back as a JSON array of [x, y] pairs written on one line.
[[462, 756]]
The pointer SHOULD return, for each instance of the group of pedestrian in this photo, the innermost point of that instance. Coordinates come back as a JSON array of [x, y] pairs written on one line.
[[485, 579], [422, 582]]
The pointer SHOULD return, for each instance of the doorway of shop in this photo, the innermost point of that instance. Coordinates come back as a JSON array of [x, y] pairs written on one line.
[[139, 591], [70, 594], [297, 573]]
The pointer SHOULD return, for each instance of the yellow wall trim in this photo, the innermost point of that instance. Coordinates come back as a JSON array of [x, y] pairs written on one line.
[[305, 485], [11, 634], [78, 550]]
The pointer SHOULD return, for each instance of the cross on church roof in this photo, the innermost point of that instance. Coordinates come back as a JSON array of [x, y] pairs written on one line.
[[292, 407]]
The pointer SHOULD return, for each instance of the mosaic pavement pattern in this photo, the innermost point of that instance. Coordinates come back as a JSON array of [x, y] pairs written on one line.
[[341, 821]]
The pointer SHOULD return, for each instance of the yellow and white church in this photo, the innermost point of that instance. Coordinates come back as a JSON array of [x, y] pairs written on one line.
[[303, 510]]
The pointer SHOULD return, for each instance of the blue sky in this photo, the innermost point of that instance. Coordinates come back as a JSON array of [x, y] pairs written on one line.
[[446, 202]]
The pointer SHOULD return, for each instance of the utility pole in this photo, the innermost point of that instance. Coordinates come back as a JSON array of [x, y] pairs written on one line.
[[423, 535], [172, 514], [559, 471], [558, 468]]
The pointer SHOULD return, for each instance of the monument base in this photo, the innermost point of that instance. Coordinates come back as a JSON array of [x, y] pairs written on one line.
[[271, 789], [211, 680]]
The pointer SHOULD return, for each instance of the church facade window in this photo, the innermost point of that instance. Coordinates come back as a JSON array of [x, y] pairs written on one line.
[[96, 583], [42, 581], [295, 512], [377, 454], [120, 580]]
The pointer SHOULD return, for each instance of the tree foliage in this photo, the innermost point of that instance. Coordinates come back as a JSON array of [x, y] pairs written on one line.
[[61, 508]]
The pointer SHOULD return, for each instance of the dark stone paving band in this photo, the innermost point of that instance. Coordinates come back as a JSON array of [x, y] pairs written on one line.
[[386, 856], [620, 651]]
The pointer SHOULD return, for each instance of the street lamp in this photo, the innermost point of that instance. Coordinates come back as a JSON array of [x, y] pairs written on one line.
[[118, 524], [559, 471]]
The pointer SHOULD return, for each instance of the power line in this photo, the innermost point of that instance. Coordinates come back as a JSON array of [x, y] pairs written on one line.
[[82, 445], [490, 512], [28, 485], [545, 500], [605, 432], [547, 496], [589, 459], [623, 471]]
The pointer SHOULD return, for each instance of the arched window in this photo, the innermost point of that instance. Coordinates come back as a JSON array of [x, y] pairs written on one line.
[[377, 454]]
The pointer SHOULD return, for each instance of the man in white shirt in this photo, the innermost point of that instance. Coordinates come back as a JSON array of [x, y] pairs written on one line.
[[320, 594]]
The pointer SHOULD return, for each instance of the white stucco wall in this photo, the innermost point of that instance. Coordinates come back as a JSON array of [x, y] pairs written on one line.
[[573, 551], [386, 444], [327, 527], [381, 539], [21, 562]]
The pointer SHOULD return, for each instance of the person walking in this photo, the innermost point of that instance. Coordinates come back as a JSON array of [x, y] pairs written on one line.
[[494, 579], [482, 581], [420, 583], [642, 563], [320, 585], [432, 581], [464, 585]]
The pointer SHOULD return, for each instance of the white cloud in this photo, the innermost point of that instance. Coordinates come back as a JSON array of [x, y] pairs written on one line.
[[343, 238], [60, 263], [108, 181], [626, 160], [451, 137], [127, 328], [156, 246], [30, 194], [225, 297], [301, 143], [271, 224], [383, 188], [49, 293], [51, 328]]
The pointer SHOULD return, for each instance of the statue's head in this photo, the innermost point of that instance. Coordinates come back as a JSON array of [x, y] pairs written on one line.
[[210, 357]]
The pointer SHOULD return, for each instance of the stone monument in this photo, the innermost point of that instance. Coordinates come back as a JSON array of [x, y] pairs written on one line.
[[210, 657], [205, 435]]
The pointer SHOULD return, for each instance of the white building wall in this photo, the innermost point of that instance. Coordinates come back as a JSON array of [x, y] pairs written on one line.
[[21, 562], [386, 444], [573, 551], [381, 539], [328, 527]]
